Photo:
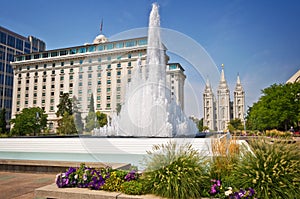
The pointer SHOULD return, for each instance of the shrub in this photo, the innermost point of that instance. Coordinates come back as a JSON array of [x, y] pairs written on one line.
[[174, 171], [133, 187], [115, 180], [271, 169]]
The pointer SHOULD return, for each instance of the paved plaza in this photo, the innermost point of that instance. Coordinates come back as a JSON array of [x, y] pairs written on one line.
[[22, 185]]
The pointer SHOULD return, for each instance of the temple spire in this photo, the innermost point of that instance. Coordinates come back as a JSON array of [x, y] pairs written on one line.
[[222, 79]]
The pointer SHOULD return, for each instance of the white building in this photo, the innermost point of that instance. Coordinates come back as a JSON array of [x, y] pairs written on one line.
[[103, 69], [219, 111]]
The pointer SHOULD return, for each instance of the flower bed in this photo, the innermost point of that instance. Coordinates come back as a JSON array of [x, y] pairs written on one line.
[[265, 170]]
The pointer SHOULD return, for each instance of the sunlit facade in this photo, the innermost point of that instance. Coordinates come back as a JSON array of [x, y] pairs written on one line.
[[102, 70]]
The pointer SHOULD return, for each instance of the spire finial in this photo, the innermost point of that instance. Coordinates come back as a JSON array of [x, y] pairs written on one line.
[[222, 66], [101, 26]]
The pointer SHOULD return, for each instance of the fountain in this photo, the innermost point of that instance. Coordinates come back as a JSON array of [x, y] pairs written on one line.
[[148, 110]]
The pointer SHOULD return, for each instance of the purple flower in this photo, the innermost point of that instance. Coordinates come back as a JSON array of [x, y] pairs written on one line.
[[131, 176], [218, 183]]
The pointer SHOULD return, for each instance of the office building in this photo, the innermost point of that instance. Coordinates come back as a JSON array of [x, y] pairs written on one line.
[[12, 44]]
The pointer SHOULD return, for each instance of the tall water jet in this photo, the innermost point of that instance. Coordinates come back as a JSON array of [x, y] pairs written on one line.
[[149, 110]]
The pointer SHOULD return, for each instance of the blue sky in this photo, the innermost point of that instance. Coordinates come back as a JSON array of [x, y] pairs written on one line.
[[259, 39]]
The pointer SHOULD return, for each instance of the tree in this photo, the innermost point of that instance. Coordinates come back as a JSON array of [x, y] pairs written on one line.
[[91, 105], [118, 109], [90, 120], [235, 124], [101, 118], [200, 125], [66, 125], [77, 115], [29, 121], [278, 107], [3, 121], [65, 105]]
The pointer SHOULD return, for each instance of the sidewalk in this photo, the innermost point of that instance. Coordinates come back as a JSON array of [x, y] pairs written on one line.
[[22, 185]]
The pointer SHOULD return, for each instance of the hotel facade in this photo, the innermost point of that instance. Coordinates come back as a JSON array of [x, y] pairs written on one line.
[[102, 70]]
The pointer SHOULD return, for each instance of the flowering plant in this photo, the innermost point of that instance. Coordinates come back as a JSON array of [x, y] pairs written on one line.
[[85, 177], [217, 191]]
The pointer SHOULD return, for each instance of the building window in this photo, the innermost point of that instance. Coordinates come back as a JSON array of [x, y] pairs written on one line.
[[118, 73], [71, 70], [80, 61], [108, 90], [80, 76], [99, 74], [98, 97], [53, 79], [61, 78], [108, 66], [45, 65], [44, 87], [27, 81], [129, 56], [118, 97], [35, 80], [43, 94], [108, 58], [61, 85], [98, 106], [99, 82], [51, 108], [62, 71], [118, 81], [90, 61], [99, 59], [119, 65], [129, 72], [129, 80], [44, 80], [108, 97], [34, 101], [71, 63], [52, 86], [80, 84], [90, 75], [119, 57], [53, 64], [108, 105], [118, 88], [62, 63], [71, 77], [98, 90], [109, 81], [108, 74], [99, 67], [129, 64], [89, 83], [35, 88], [90, 68], [52, 93]]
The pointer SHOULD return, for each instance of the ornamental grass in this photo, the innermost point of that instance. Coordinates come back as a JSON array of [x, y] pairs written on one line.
[[272, 169], [175, 171]]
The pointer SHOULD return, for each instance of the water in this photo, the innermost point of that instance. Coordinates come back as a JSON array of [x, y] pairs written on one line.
[[148, 110]]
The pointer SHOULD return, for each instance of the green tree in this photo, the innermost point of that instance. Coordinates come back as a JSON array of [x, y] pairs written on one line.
[[66, 125], [91, 105], [90, 120], [65, 105], [101, 118], [3, 121], [118, 109], [235, 125], [77, 115], [200, 125], [278, 107], [29, 121]]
